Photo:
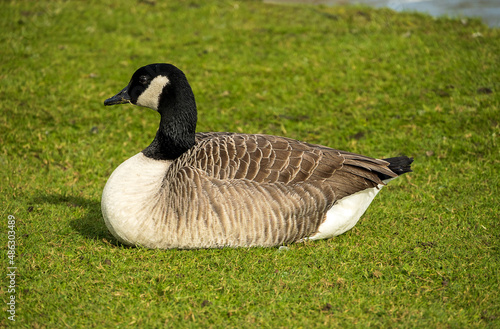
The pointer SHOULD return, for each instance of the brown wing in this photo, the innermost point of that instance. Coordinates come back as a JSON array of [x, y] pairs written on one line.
[[271, 159], [261, 158]]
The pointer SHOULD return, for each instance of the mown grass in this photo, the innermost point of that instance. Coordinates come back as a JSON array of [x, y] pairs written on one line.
[[370, 81]]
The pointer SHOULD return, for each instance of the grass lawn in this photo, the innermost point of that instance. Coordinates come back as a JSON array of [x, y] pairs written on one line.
[[375, 82]]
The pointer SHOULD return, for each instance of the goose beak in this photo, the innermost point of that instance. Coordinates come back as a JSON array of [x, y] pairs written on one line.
[[121, 98]]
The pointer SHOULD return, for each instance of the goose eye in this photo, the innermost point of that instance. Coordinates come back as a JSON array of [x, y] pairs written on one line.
[[143, 80]]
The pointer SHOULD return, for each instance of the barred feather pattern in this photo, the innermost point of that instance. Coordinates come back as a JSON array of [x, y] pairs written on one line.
[[250, 190]]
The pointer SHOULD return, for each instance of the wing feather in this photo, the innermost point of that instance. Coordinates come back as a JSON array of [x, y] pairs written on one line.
[[273, 159]]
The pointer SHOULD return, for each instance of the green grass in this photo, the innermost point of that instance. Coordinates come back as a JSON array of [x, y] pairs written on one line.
[[376, 82]]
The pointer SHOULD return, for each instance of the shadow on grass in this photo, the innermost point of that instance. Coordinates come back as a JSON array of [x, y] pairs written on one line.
[[91, 225]]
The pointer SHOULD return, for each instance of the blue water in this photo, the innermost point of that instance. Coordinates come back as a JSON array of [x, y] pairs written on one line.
[[487, 10]]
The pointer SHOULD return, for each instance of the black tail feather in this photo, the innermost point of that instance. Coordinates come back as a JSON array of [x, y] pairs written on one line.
[[398, 165]]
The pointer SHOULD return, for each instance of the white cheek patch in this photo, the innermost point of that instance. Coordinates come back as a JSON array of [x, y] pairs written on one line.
[[151, 96]]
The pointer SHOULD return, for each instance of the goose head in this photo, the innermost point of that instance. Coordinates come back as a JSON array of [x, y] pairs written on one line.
[[165, 89]]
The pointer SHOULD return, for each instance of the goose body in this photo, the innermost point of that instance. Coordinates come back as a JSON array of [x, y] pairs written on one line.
[[207, 190]]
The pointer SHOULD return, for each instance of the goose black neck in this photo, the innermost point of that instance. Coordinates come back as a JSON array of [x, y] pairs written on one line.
[[177, 130]]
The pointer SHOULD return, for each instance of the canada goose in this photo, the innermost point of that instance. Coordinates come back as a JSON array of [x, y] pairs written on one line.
[[205, 190]]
